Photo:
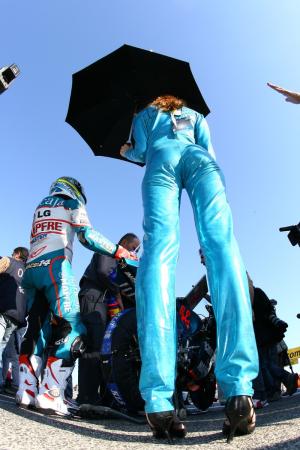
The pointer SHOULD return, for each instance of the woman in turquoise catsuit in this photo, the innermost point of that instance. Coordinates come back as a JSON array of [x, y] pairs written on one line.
[[174, 143]]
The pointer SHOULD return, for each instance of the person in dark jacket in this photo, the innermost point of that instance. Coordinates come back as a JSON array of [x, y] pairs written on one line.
[[12, 298], [269, 331], [100, 299]]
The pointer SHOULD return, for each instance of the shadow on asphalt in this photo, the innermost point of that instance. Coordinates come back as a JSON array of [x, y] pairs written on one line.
[[119, 430]]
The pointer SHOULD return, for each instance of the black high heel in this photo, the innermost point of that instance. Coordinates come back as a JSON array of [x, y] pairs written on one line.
[[240, 414], [166, 425]]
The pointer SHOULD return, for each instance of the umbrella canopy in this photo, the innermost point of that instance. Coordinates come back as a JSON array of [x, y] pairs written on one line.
[[106, 94]]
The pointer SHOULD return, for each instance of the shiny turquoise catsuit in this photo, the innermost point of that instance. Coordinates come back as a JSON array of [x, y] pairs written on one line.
[[178, 154]]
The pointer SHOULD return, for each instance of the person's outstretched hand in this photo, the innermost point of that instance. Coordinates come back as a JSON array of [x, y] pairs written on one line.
[[291, 97]]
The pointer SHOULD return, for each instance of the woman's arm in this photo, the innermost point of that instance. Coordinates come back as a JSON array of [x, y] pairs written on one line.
[[138, 152]]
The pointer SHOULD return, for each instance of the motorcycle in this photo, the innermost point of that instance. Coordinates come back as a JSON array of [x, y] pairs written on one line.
[[120, 356]]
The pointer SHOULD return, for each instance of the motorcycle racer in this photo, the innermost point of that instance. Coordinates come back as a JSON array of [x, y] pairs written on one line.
[[52, 295]]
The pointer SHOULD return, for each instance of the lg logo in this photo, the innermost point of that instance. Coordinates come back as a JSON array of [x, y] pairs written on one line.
[[45, 213]]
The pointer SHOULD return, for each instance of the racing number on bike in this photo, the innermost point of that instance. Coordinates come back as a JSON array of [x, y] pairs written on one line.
[[184, 314]]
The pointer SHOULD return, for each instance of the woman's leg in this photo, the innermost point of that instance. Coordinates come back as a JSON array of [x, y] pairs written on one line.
[[237, 361], [155, 291]]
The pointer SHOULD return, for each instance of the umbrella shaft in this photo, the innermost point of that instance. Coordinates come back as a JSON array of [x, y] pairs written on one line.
[[129, 140]]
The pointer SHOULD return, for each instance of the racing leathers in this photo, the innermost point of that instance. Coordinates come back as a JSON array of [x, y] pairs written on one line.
[[177, 151], [54, 317]]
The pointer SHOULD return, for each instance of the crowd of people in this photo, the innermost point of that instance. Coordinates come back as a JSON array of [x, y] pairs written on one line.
[[64, 324], [272, 379]]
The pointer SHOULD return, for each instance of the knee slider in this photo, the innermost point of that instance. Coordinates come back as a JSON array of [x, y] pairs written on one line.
[[61, 328], [78, 347]]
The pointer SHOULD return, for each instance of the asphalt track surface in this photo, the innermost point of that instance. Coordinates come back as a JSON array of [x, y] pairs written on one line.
[[278, 427]]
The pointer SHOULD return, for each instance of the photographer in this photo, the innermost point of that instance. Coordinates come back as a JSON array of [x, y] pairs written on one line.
[[269, 331]]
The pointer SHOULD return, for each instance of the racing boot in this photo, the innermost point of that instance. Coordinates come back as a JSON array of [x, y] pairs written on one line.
[[29, 373], [51, 398]]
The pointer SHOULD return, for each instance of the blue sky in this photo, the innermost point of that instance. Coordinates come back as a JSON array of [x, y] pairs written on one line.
[[234, 48]]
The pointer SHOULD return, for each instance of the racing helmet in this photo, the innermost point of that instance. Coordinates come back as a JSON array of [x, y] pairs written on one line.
[[70, 187]]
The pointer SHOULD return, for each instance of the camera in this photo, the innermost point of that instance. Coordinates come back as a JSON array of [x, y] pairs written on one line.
[[7, 75], [294, 233]]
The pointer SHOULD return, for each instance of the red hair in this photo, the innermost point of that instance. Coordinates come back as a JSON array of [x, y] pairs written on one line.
[[168, 103]]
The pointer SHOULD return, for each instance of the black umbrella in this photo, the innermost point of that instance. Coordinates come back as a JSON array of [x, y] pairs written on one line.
[[106, 94]]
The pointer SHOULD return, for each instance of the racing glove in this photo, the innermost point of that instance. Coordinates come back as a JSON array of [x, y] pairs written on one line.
[[121, 252]]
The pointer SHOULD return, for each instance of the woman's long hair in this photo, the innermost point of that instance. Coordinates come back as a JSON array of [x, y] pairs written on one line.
[[168, 103]]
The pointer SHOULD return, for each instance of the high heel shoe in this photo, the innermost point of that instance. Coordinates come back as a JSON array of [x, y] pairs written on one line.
[[240, 415], [166, 425]]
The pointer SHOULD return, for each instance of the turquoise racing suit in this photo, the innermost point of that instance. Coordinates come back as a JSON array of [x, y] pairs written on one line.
[[177, 151], [50, 286]]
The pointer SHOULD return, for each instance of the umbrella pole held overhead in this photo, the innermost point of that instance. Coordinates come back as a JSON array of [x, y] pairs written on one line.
[[129, 139]]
